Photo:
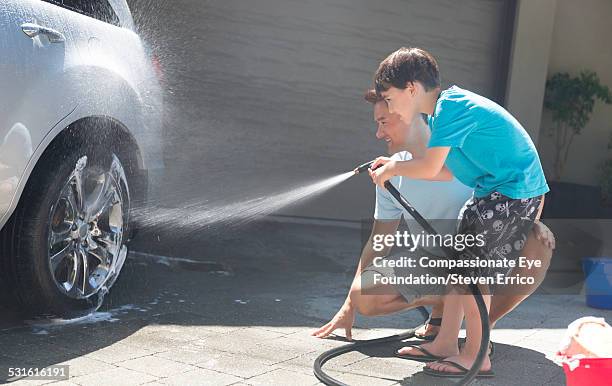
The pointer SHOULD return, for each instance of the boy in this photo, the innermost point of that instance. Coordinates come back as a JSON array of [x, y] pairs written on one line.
[[484, 147]]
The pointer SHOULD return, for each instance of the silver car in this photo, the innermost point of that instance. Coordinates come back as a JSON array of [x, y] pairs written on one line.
[[80, 129]]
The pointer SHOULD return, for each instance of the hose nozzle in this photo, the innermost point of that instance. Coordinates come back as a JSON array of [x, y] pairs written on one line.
[[363, 167]]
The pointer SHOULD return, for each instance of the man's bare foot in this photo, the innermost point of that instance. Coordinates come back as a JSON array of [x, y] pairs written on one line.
[[462, 359], [435, 348], [427, 330]]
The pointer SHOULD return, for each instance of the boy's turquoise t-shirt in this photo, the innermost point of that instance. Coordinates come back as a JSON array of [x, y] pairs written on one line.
[[490, 150]]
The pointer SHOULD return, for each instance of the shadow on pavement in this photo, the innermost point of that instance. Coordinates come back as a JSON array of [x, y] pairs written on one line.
[[510, 364]]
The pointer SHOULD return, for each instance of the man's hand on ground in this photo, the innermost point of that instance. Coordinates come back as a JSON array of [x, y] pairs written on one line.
[[544, 234], [343, 319]]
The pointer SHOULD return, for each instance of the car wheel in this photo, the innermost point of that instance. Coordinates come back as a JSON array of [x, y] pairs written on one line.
[[64, 247]]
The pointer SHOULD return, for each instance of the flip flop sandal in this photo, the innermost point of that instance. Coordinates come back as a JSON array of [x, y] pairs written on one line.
[[428, 357], [456, 374], [434, 322]]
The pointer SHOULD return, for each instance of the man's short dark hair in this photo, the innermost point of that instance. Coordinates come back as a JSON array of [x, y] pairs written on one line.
[[373, 97], [407, 65]]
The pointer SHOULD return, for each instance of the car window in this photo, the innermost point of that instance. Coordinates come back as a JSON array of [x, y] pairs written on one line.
[[99, 9]]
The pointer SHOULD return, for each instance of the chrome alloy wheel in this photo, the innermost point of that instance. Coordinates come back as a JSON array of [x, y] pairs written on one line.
[[86, 227]]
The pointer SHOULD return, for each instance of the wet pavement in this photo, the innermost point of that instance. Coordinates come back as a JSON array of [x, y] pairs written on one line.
[[237, 307]]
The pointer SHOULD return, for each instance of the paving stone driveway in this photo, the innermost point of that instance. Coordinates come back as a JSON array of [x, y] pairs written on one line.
[[238, 310]]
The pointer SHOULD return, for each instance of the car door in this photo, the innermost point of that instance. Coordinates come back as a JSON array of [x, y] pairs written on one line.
[[40, 41], [32, 58]]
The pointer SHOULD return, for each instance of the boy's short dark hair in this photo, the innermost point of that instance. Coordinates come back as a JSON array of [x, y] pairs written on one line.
[[407, 65], [373, 97]]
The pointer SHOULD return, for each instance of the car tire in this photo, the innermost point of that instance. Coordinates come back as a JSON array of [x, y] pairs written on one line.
[[62, 252]]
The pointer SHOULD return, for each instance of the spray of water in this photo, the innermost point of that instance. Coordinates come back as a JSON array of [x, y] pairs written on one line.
[[196, 216]]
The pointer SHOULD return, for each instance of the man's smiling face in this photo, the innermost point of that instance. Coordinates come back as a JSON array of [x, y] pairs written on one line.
[[390, 127]]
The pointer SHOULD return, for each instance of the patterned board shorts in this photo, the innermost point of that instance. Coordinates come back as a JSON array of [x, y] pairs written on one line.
[[504, 223]]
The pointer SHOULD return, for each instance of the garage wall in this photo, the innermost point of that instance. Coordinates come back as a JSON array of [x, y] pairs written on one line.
[[267, 94]]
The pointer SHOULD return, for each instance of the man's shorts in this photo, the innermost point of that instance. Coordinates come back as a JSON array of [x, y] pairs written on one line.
[[372, 276]]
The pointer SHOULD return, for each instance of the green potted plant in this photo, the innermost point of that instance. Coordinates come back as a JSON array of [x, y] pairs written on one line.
[[571, 100]]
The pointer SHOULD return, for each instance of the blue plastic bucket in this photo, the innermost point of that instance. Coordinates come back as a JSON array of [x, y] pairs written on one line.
[[598, 274]]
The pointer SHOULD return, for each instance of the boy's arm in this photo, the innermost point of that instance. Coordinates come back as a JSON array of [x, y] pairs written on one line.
[[429, 167], [420, 123], [444, 175]]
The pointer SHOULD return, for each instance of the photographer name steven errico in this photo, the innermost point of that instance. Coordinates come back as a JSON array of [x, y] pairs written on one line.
[[453, 279]]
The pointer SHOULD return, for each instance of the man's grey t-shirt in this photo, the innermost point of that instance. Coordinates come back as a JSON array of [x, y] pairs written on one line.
[[434, 200]]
